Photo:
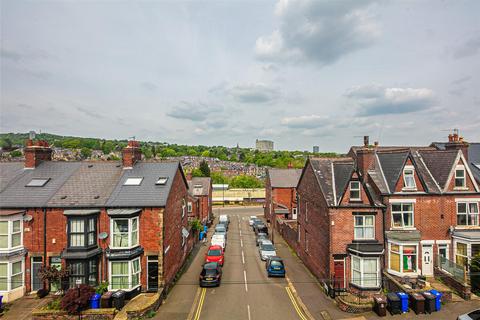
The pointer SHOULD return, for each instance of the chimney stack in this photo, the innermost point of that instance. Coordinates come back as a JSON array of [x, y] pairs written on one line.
[[366, 142], [189, 175], [456, 142], [36, 152], [131, 154]]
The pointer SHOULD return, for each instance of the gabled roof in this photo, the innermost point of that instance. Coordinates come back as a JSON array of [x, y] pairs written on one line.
[[284, 178], [90, 186], [392, 164], [342, 173], [17, 194], [439, 163], [199, 186], [8, 172], [147, 194]]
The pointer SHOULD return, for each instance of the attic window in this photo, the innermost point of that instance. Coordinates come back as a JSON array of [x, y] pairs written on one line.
[[460, 177], [162, 181], [355, 190], [409, 178], [133, 181], [38, 182]]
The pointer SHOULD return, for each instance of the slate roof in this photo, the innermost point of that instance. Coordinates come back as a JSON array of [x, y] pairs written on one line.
[[439, 163], [90, 186], [392, 164], [18, 195], [204, 190], [8, 172], [147, 194], [284, 178], [342, 172]]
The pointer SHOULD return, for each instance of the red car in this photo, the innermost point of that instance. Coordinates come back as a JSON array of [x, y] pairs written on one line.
[[215, 254]]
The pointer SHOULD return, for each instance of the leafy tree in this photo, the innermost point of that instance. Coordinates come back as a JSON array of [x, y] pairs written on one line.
[[245, 181], [16, 153], [108, 147], [197, 173], [168, 152], [205, 168], [219, 178], [76, 299], [206, 154], [53, 275], [86, 153], [6, 143]]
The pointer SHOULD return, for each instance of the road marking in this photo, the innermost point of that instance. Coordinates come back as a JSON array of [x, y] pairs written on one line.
[[243, 258], [295, 305], [245, 277], [240, 232], [192, 310], [200, 304], [248, 312], [241, 243]]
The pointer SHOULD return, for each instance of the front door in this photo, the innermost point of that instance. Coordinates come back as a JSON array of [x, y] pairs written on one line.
[[427, 261], [339, 274], [36, 280], [152, 269], [57, 263]]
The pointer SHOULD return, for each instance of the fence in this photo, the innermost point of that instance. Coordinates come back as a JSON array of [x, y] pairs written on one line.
[[457, 271]]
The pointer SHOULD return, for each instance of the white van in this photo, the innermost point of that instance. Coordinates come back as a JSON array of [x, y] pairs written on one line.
[[218, 240], [223, 218]]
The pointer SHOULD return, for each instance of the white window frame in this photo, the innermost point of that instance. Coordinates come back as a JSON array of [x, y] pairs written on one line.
[[130, 274], [401, 245], [294, 213], [464, 178], [361, 283], [455, 253], [189, 206], [133, 181], [445, 246], [10, 220], [131, 242], [468, 213], [402, 212], [363, 226], [10, 274], [184, 207], [405, 184], [355, 190]]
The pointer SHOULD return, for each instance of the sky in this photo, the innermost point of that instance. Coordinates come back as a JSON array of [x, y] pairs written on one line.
[[300, 73]]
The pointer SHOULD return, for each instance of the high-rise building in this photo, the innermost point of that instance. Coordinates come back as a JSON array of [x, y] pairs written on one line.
[[316, 149], [264, 145]]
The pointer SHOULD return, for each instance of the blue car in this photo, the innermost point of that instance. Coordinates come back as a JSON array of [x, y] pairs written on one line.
[[275, 267]]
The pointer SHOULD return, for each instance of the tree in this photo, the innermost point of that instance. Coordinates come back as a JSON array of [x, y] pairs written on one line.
[[475, 273], [15, 154], [86, 153], [245, 181], [219, 178], [197, 173], [206, 154], [53, 275], [205, 168], [107, 147]]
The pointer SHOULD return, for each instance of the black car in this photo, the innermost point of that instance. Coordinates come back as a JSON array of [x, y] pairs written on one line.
[[211, 275], [260, 228], [255, 222]]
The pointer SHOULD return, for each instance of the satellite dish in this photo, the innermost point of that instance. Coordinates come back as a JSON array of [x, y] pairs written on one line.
[[102, 235], [27, 218]]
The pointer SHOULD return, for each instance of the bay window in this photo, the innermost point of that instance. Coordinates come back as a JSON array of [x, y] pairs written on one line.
[[124, 232], [82, 232], [467, 214], [125, 274], [461, 255], [11, 275], [11, 235], [402, 258], [402, 215], [364, 227], [84, 270], [365, 272]]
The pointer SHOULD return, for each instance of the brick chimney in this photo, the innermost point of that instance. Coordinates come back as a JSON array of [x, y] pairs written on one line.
[[131, 154], [36, 152], [365, 160], [189, 175], [456, 142]]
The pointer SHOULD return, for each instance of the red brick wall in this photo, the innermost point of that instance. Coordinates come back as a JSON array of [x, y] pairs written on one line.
[[469, 183], [400, 183]]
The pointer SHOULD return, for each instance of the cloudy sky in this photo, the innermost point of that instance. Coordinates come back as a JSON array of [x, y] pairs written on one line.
[[300, 73]]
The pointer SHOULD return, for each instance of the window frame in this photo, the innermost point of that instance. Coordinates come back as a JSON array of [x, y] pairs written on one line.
[[86, 232], [87, 271], [10, 220], [359, 189], [464, 178], [130, 274], [9, 276], [362, 271], [401, 253], [184, 207], [130, 231], [412, 176], [457, 254], [402, 212], [132, 181], [468, 214], [363, 226], [189, 206]]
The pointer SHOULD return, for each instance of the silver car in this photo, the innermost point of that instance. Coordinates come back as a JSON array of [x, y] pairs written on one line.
[[266, 250], [474, 315], [261, 237]]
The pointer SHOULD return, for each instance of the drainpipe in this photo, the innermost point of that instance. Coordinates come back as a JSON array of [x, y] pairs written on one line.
[[385, 244], [44, 240]]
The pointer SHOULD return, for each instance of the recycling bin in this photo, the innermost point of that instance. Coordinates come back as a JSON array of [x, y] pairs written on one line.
[[380, 305], [106, 299], [394, 304], [429, 302], [118, 299], [438, 299], [95, 301], [403, 301], [417, 303]]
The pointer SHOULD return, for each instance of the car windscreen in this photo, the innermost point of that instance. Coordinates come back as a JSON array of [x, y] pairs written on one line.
[[219, 228], [211, 272], [276, 263], [214, 253], [267, 247], [475, 315]]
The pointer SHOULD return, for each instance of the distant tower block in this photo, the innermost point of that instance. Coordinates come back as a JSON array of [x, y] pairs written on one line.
[[316, 149], [264, 145]]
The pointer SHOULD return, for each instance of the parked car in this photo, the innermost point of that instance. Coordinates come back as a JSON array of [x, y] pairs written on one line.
[[215, 254], [266, 249], [473, 315], [252, 218], [223, 223], [255, 222], [223, 218], [260, 237], [261, 228], [275, 267], [211, 275], [219, 240]]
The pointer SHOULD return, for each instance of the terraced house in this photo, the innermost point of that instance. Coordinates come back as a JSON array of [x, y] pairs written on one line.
[[121, 222]]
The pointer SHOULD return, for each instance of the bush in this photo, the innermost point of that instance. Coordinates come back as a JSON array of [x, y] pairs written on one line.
[[475, 274], [102, 288], [54, 305], [42, 293], [74, 302]]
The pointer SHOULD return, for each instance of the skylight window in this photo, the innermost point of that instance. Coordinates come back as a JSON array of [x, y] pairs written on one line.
[[38, 182], [198, 186], [162, 181], [133, 181]]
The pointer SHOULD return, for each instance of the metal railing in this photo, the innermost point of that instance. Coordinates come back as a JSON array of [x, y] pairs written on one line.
[[459, 272]]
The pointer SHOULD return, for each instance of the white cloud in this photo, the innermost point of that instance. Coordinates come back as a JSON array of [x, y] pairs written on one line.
[[197, 111], [319, 31], [248, 92], [305, 122]]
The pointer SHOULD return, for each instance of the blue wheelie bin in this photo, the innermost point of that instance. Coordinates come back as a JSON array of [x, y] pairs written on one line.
[[403, 301], [95, 301], [438, 299]]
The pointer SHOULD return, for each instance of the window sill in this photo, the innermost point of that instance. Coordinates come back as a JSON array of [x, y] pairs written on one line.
[[466, 227], [409, 189], [460, 189], [124, 248], [403, 229], [375, 288], [403, 274]]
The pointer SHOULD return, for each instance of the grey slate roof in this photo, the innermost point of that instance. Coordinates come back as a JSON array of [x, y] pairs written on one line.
[[18, 195], [284, 178], [392, 164], [342, 172], [474, 153], [204, 190], [147, 194], [468, 234], [413, 235], [424, 174], [90, 186], [439, 164], [8, 172]]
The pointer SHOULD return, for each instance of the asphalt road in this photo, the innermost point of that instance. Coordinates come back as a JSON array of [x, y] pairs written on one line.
[[245, 293]]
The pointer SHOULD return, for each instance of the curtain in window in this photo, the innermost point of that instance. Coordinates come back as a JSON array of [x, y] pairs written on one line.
[[77, 229], [461, 257], [134, 231], [119, 275], [3, 276], [135, 272], [356, 273], [17, 274], [120, 233], [394, 258], [370, 273], [16, 234], [3, 234], [409, 259]]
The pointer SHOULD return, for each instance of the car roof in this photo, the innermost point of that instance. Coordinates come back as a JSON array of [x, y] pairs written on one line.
[[261, 234], [214, 247], [267, 242], [276, 258], [210, 265]]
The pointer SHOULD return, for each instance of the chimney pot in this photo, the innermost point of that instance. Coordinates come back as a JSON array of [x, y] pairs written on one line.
[[36, 152], [366, 141], [376, 143], [131, 154]]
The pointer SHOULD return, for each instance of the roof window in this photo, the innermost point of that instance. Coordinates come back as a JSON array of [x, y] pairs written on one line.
[[162, 181], [133, 181], [198, 186], [38, 182]]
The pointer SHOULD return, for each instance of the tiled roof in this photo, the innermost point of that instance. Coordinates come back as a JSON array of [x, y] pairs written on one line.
[[392, 164], [199, 186], [284, 178], [342, 172], [8, 172], [439, 163]]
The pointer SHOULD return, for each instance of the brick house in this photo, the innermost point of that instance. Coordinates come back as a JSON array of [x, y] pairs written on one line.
[[340, 233], [123, 222], [281, 193], [201, 189]]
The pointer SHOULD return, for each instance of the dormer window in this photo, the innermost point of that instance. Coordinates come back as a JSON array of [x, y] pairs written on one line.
[[409, 178], [355, 190], [460, 177]]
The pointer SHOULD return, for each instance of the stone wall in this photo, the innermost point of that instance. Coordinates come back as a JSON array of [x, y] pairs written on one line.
[[90, 314]]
